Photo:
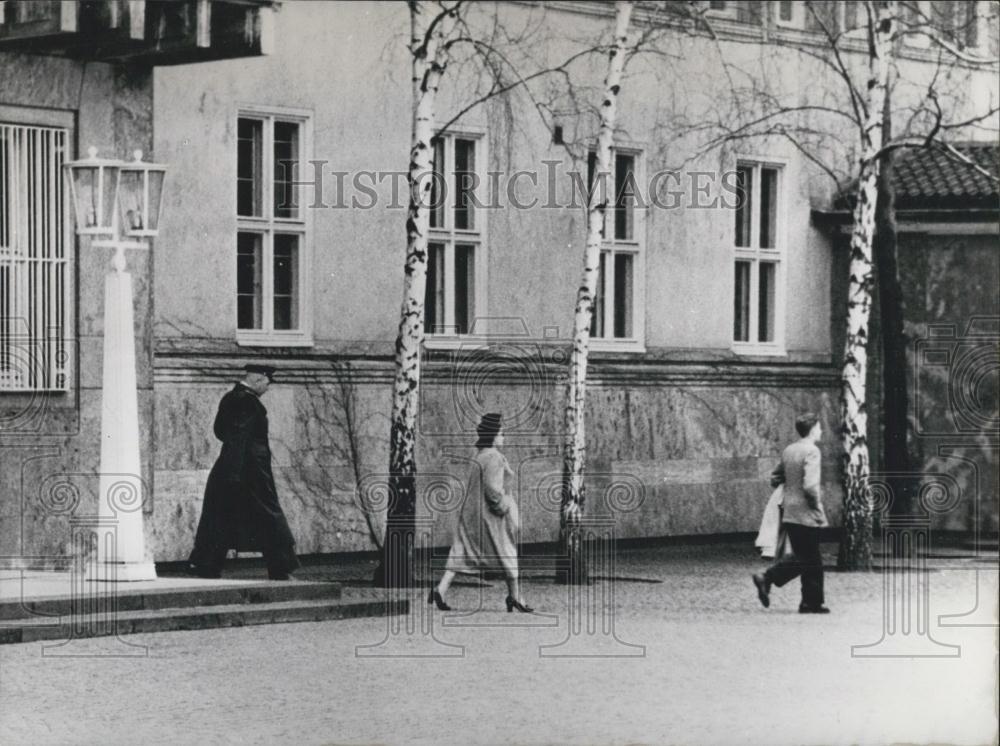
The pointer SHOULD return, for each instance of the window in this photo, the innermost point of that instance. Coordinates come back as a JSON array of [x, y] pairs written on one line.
[[956, 23], [616, 315], [722, 8], [272, 291], [757, 238], [34, 259], [788, 14], [455, 248], [914, 15], [835, 17]]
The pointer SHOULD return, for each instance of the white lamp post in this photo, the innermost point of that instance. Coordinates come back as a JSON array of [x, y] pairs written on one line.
[[99, 186]]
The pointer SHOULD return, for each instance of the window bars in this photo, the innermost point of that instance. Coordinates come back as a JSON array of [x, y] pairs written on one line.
[[34, 259]]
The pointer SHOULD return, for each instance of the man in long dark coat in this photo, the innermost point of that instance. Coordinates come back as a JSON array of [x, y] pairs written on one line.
[[241, 509]]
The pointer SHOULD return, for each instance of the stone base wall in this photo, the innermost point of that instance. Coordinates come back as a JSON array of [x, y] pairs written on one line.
[[673, 448]]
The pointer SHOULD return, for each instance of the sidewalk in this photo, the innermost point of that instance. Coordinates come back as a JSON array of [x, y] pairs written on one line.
[[713, 667], [35, 585]]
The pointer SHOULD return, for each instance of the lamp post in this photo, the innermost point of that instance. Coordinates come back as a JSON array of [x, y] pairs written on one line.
[[117, 205]]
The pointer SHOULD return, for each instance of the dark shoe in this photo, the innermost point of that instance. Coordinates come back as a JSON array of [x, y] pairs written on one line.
[[435, 598], [763, 589], [810, 609], [512, 604]]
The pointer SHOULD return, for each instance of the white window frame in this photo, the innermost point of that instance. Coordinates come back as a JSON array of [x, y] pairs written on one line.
[[983, 17], [800, 14], [919, 40], [636, 247], [923, 41], [267, 225], [856, 34], [755, 255], [798, 19], [730, 12], [449, 237], [60, 348]]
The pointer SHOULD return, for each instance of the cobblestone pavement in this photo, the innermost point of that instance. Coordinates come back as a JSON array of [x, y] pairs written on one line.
[[716, 669]]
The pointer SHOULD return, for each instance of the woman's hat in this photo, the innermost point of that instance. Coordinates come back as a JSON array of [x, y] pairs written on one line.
[[488, 428]]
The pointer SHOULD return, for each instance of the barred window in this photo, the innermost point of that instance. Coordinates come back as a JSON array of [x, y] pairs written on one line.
[[34, 259]]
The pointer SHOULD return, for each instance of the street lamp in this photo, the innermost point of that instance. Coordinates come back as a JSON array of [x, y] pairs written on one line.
[[94, 185], [139, 195], [117, 205]]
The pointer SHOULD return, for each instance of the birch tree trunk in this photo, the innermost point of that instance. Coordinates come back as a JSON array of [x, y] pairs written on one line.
[[571, 567], [856, 544], [429, 57]]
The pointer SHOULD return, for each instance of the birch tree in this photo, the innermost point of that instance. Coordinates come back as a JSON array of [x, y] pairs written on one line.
[[752, 111], [437, 30], [856, 548], [571, 538], [430, 27]]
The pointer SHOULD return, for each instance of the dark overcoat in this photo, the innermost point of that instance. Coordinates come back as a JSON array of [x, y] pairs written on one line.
[[241, 509]]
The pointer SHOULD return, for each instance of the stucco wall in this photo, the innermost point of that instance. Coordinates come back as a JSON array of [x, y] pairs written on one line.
[[50, 443], [695, 425], [679, 457], [356, 88]]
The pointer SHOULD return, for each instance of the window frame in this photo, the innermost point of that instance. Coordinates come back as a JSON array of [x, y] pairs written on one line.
[[30, 117], [635, 247], [267, 225], [958, 32], [798, 20], [757, 255], [450, 237], [729, 13], [916, 39]]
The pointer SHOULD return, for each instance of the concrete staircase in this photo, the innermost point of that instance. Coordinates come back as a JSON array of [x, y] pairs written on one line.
[[101, 612]]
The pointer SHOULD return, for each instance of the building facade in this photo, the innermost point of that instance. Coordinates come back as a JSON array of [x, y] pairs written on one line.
[[282, 240]]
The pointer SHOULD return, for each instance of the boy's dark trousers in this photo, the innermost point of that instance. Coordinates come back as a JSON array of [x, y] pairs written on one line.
[[805, 560]]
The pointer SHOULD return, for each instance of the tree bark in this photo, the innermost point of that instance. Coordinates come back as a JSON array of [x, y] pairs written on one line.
[[571, 565], [895, 395], [856, 543], [428, 59]]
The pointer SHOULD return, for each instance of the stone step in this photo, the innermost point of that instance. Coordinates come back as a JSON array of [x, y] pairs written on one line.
[[204, 617], [93, 594]]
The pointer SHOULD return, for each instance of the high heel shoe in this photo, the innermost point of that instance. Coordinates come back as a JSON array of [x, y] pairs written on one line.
[[512, 604], [435, 598]]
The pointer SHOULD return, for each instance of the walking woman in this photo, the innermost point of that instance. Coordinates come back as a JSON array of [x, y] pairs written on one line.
[[486, 536]]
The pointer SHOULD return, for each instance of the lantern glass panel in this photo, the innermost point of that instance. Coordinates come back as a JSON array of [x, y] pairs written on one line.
[[94, 198], [154, 195], [131, 202], [139, 200]]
